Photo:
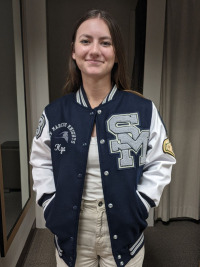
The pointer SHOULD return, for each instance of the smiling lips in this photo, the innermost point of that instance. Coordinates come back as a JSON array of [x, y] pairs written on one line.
[[94, 61]]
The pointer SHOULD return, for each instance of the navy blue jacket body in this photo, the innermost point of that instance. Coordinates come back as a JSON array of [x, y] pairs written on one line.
[[123, 125]]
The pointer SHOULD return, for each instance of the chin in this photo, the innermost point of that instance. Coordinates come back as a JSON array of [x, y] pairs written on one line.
[[96, 75]]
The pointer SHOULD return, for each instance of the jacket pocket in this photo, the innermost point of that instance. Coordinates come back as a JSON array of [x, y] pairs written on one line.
[[144, 203], [47, 203], [60, 251]]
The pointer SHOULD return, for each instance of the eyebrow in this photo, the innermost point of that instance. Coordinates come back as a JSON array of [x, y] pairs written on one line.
[[89, 36]]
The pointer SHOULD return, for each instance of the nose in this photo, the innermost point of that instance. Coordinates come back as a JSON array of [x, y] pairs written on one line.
[[95, 51]]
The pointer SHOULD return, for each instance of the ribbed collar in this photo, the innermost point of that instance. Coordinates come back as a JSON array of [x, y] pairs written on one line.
[[81, 97]]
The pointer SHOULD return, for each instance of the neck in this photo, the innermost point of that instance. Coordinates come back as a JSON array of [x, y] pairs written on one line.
[[96, 90]]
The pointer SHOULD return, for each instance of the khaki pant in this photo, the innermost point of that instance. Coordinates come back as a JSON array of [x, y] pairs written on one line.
[[93, 246]]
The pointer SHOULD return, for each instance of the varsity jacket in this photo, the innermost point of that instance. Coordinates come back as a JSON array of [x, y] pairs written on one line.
[[135, 158]]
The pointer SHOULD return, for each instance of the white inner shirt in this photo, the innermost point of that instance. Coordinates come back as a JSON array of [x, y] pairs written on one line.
[[93, 185]]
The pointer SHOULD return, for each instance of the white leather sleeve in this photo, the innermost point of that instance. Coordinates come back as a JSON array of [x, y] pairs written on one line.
[[40, 159], [158, 166]]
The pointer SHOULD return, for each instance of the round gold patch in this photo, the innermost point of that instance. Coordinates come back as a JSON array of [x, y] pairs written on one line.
[[167, 147]]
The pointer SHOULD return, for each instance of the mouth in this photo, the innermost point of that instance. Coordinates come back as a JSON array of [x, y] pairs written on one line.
[[94, 61]]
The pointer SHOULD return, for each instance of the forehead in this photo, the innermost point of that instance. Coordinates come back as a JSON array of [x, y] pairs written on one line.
[[93, 27]]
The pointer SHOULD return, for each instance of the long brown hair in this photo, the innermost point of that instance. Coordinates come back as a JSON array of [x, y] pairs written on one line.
[[118, 74]]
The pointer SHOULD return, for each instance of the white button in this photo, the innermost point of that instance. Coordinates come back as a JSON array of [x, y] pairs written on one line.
[[115, 237], [119, 257], [106, 173], [110, 205], [121, 263], [99, 111], [102, 141]]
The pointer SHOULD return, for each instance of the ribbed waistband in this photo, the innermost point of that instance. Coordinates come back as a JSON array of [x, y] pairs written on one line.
[[95, 205]]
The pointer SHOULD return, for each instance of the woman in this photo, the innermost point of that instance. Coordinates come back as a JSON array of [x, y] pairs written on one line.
[[101, 156]]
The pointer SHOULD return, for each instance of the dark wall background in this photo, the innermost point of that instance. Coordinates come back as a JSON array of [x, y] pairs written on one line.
[[8, 97], [61, 16]]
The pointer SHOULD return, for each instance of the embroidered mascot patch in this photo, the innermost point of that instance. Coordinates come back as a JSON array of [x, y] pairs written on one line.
[[167, 147], [40, 127]]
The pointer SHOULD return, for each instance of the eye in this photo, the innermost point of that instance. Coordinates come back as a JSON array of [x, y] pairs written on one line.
[[84, 41], [106, 43]]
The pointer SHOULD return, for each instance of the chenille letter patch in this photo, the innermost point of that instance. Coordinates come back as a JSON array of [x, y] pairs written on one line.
[[40, 127]]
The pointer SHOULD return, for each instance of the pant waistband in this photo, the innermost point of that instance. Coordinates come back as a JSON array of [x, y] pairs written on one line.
[[98, 204]]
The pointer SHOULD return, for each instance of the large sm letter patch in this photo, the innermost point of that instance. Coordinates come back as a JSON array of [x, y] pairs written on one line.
[[128, 137]]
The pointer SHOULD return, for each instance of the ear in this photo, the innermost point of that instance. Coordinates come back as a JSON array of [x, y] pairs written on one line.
[[73, 55], [73, 52]]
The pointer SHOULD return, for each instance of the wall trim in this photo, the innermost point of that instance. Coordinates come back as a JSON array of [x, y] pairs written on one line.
[[27, 246]]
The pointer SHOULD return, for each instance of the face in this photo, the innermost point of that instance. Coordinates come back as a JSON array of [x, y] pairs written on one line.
[[93, 49]]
